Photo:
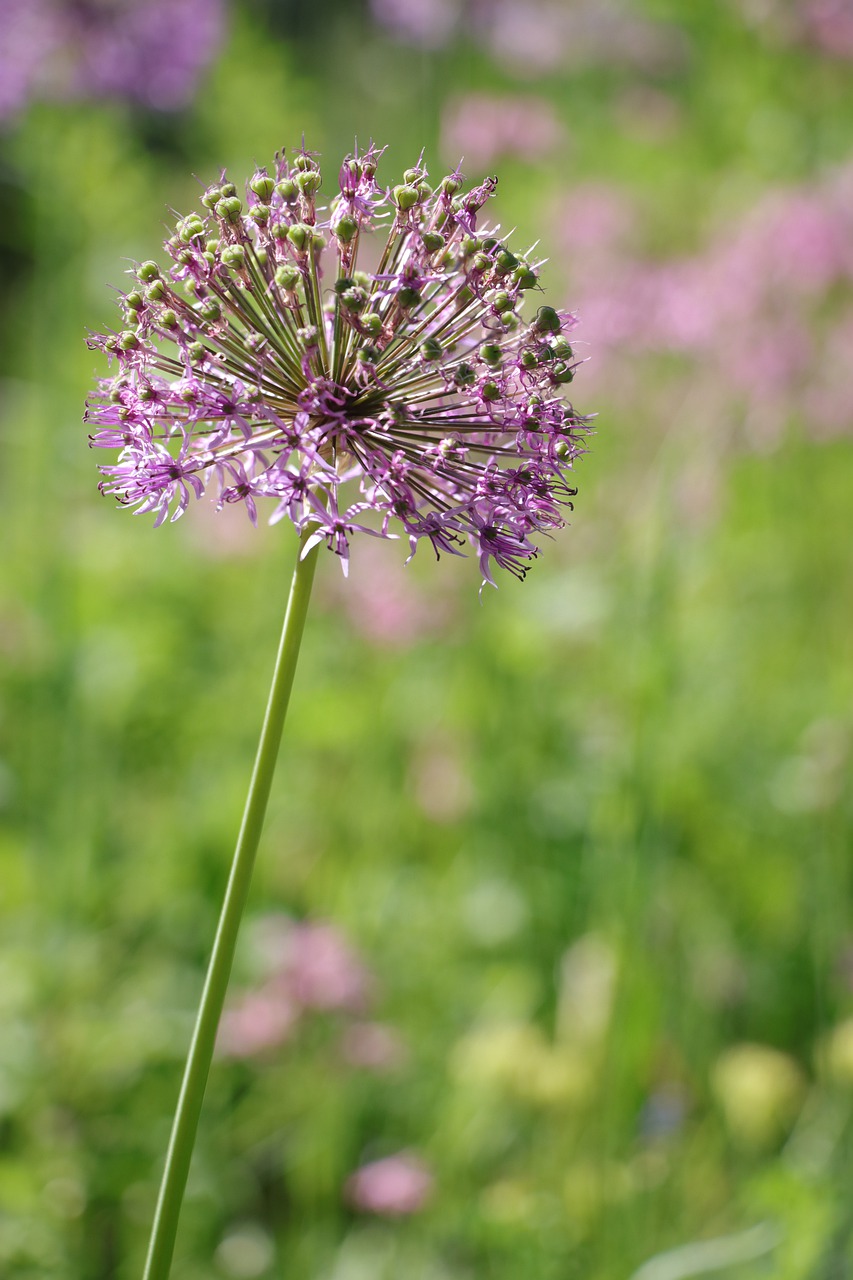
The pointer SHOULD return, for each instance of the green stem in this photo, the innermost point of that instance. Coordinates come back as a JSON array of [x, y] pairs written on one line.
[[185, 1124]]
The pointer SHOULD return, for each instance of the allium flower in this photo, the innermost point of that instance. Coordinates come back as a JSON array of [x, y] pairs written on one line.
[[417, 386]]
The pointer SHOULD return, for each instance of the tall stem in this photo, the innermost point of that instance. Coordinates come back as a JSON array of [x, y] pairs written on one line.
[[185, 1124]]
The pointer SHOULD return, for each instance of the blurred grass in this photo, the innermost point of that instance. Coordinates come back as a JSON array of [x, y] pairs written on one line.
[[589, 834]]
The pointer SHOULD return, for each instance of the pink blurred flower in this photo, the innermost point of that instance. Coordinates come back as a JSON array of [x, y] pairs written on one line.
[[386, 603], [31, 34], [428, 23], [147, 51], [483, 127], [372, 1046], [392, 1188], [829, 23], [323, 970], [756, 308], [536, 36], [306, 967], [255, 1022]]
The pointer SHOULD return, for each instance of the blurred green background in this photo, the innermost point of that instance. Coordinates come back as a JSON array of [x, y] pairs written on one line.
[[553, 905]]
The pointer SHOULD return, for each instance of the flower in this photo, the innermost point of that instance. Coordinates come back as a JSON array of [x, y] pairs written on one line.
[[419, 381], [392, 1188], [150, 52]]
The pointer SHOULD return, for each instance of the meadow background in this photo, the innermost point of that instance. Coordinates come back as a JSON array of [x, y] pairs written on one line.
[[553, 908]]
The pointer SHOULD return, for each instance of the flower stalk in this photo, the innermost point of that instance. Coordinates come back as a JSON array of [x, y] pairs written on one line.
[[185, 1124]]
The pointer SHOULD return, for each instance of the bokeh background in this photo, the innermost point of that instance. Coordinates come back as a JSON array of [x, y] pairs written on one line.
[[548, 967]]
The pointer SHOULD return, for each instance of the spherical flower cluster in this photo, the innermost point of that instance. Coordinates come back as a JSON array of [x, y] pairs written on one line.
[[417, 385]]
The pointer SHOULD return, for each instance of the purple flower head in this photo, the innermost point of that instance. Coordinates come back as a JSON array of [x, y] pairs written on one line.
[[413, 400]]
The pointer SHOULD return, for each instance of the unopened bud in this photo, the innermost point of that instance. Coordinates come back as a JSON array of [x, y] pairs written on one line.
[[262, 185]]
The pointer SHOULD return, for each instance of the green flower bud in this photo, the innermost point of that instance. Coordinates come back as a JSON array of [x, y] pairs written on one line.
[[228, 190], [490, 391], [146, 393], [405, 197], [134, 300], [287, 190], [528, 360], [505, 260], [303, 163], [562, 450], [525, 277], [229, 209], [155, 291], [501, 302], [464, 375], [424, 191], [491, 353], [128, 340], [210, 310], [318, 241], [262, 256], [262, 185], [563, 372], [299, 236], [354, 299], [431, 349], [546, 320], [408, 296], [432, 241], [563, 349], [190, 227], [371, 322], [234, 256], [346, 230], [260, 213], [287, 278], [169, 319], [148, 271], [413, 176], [197, 351], [449, 185], [308, 182], [211, 197], [279, 230]]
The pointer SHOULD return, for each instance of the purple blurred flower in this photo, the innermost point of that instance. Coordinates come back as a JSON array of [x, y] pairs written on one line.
[[392, 1188], [323, 970], [763, 309], [483, 127], [372, 1046], [824, 24], [535, 36], [306, 967], [32, 32], [148, 51], [429, 23], [259, 1020], [419, 382]]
